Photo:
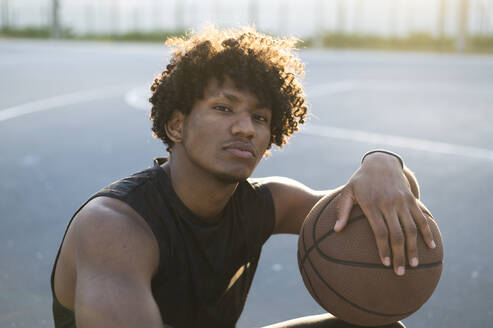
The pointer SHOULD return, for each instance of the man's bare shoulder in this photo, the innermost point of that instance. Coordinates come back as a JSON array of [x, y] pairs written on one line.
[[107, 238], [108, 229], [110, 213]]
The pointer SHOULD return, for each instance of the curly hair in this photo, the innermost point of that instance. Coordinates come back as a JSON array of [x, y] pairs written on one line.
[[262, 64]]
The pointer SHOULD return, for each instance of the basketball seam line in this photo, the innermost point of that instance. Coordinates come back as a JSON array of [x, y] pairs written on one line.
[[335, 292], [307, 252], [306, 274], [331, 231], [374, 265], [306, 256], [351, 263], [354, 304], [310, 283]]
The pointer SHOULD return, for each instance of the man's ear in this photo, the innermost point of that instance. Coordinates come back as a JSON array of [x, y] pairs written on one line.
[[174, 126]]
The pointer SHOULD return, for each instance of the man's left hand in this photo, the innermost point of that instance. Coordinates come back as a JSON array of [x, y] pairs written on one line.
[[382, 191]]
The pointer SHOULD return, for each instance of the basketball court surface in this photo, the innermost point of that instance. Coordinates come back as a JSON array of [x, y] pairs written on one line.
[[74, 117]]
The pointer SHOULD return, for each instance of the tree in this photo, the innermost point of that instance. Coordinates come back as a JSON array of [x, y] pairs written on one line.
[[463, 12], [179, 15], [5, 14], [441, 19], [55, 19]]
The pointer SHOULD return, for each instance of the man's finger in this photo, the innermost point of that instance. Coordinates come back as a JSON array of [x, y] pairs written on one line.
[[410, 231], [345, 202], [397, 242], [379, 228], [422, 223]]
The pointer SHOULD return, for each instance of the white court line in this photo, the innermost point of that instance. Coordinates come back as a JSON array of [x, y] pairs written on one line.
[[383, 139], [60, 101], [137, 98], [396, 141]]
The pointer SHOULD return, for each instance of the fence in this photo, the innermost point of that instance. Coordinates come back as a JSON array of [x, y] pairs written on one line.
[[293, 17]]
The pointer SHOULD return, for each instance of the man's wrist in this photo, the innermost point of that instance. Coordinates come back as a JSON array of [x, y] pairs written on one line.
[[384, 152]]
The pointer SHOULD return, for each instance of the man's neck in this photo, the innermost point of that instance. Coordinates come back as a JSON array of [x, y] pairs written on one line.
[[203, 194]]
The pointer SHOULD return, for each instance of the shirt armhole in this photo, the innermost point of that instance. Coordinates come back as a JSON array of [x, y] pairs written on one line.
[[267, 212]]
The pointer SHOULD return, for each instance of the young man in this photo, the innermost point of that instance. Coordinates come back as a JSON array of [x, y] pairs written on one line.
[[178, 244]]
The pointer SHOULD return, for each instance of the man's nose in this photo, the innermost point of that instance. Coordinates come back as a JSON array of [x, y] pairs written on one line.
[[243, 126]]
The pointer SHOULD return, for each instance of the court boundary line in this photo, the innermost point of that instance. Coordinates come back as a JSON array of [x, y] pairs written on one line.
[[61, 100], [309, 129], [396, 141]]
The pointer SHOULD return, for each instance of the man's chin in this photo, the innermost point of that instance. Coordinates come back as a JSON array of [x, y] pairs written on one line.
[[230, 178]]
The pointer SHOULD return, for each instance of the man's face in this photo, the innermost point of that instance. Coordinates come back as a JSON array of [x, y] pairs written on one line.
[[227, 132]]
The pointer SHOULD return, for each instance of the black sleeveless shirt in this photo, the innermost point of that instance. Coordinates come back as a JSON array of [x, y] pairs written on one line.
[[205, 270]]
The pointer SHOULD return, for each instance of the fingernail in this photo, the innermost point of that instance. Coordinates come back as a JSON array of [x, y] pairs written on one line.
[[433, 245], [386, 261], [338, 223], [414, 261], [400, 271]]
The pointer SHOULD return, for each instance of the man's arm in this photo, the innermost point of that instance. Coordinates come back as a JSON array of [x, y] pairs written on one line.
[[116, 256], [292, 202], [386, 194]]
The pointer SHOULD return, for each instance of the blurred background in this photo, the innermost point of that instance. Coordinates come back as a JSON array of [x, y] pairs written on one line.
[[439, 25], [415, 77]]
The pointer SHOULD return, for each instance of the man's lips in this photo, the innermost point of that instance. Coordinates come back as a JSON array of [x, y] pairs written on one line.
[[241, 149]]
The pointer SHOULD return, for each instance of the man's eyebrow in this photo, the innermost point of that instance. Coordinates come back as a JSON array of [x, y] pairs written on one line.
[[231, 97], [228, 96]]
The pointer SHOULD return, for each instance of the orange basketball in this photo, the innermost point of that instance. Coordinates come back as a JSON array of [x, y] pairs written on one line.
[[344, 274]]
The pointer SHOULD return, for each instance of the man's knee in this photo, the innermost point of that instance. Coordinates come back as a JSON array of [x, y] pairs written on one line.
[[324, 321]]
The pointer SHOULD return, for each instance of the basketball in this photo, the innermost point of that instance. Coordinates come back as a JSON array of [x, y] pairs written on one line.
[[344, 274]]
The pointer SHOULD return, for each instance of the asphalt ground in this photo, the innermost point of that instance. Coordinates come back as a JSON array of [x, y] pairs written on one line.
[[73, 118]]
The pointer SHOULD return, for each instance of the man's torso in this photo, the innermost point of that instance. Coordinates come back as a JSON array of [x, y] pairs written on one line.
[[205, 270]]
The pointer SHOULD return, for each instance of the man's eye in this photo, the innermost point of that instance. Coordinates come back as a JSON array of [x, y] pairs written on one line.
[[222, 108], [260, 118]]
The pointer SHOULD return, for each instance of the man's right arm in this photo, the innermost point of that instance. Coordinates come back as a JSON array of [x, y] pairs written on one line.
[[116, 256]]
